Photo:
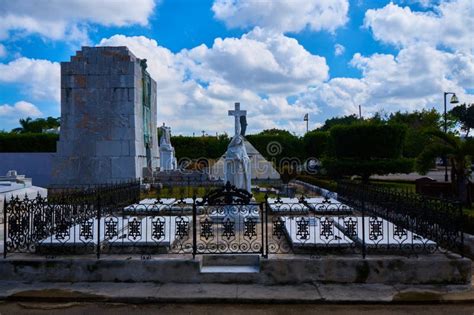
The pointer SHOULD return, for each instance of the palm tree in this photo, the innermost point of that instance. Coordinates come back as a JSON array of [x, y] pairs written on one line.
[[459, 153], [25, 125]]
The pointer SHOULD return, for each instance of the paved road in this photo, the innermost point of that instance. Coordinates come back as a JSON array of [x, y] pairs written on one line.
[[230, 309]]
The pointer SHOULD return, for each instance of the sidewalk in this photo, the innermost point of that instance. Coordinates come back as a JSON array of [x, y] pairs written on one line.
[[140, 293]]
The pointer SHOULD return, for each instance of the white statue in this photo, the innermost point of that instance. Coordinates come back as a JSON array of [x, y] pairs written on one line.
[[237, 162], [167, 156]]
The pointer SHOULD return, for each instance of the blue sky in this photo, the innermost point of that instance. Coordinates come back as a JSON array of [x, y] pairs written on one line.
[[280, 59]]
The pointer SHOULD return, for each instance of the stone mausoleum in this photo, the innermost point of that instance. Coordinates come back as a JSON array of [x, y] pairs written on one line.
[[108, 118]]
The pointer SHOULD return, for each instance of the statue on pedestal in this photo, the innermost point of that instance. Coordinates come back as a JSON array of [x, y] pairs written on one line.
[[237, 161], [167, 155]]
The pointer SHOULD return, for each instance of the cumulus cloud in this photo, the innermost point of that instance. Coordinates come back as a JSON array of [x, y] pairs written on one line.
[[339, 49], [39, 79], [57, 19], [20, 109], [413, 79], [449, 25], [197, 87], [263, 61], [281, 15]]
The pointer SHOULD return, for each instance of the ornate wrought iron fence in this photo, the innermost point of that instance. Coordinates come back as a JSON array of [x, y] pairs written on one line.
[[67, 216], [438, 220], [110, 220]]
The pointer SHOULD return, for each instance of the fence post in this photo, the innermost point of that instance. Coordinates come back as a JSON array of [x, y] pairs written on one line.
[[266, 226], [194, 227], [363, 221], [98, 226], [5, 227], [461, 227]]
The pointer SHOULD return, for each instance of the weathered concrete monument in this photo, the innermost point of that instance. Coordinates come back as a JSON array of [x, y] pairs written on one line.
[[108, 118], [258, 167], [237, 162], [167, 155]]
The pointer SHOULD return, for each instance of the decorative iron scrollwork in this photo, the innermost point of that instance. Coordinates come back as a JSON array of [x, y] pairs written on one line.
[[327, 228], [158, 229], [278, 227], [228, 225], [227, 195], [302, 225], [250, 225], [206, 229], [182, 227], [375, 229]]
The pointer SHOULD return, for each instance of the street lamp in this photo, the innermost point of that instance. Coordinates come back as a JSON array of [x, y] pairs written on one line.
[[454, 100]]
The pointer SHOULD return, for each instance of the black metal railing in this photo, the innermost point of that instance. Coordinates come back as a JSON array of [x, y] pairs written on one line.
[[435, 219], [228, 221]]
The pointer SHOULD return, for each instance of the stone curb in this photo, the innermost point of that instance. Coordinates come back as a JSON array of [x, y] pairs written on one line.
[[148, 293]]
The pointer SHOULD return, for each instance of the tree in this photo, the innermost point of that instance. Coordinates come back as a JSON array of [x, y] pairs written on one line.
[[464, 114], [365, 149], [38, 125], [459, 152], [418, 123], [315, 143], [336, 121]]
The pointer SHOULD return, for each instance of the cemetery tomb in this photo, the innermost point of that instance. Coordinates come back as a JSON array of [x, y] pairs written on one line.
[[314, 231], [108, 118]]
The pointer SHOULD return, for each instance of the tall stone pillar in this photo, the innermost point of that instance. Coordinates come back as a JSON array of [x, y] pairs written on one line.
[[108, 118]]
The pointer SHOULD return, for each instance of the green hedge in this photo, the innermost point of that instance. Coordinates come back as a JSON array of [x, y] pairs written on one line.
[[199, 147], [365, 168], [315, 143], [325, 183], [28, 142], [369, 140]]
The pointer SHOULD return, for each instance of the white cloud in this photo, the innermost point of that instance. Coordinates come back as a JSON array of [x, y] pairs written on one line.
[[262, 61], [20, 109], [58, 19], [414, 79], [282, 15], [195, 90], [450, 25], [339, 49], [39, 79]]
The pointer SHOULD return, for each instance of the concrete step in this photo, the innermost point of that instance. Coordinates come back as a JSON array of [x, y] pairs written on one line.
[[230, 260], [230, 269], [230, 264]]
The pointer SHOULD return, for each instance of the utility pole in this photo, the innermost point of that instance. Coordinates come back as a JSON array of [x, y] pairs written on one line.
[[306, 118], [360, 112]]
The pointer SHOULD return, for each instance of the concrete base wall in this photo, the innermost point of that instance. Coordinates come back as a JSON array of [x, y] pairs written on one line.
[[433, 269]]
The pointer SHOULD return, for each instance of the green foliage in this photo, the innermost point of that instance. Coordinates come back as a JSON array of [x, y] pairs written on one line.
[[277, 145], [200, 147], [28, 142], [325, 183], [367, 141], [459, 152], [315, 143], [464, 115], [276, 132], [366, 168], [38, 125], [338, 121], [365, 149], [417, 123], [287, 173]]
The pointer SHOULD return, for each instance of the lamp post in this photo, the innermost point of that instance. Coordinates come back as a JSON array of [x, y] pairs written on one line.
[[454, 100]]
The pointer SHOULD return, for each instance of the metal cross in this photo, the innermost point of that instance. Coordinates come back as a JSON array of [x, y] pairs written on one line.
[[237, 113]]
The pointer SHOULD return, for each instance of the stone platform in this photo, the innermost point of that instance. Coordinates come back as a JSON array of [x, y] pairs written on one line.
[[435, 269]]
